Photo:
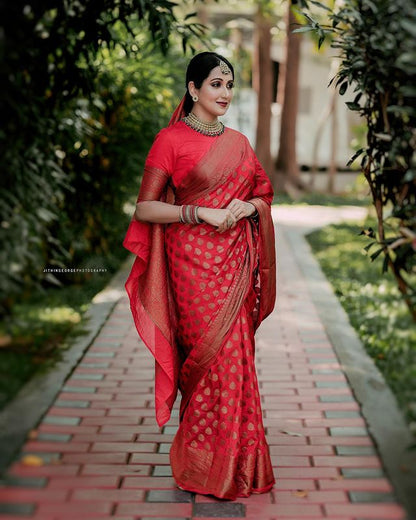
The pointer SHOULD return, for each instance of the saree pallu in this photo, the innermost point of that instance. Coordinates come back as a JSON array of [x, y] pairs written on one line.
[[213, 290]]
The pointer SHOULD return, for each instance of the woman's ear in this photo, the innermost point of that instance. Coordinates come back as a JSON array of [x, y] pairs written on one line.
[[192, 89]]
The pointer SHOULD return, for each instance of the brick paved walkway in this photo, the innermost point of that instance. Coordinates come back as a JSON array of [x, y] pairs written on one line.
[[104, 456]]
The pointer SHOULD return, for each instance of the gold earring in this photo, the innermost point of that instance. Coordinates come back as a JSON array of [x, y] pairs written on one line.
[[195, 99]]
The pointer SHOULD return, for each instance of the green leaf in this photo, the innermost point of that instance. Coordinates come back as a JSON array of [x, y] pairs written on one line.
[[304, 29], [353, 106], [343, 88], [355, 156]]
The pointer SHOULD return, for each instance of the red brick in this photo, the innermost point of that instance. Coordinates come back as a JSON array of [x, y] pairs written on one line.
[[277, 429], [130, 447], [86, 397], [382, 511], [349, 405], [128, 428], [347, 462], [300, 473], [115, 495], [111, 421], [91, 383], [76, 508], [278, 510], [61, 428], [126, 409], [95, 458], [273, 401], [286, 440], [343, 390], [149, 483], [75, 412], [356, 484], [121, 469], [292, 484], [110, 482], [282, 461], [341, 441], [329, 423], [318, 497], [18, 494], [296, 414], [301, 450], [104, 437], [44, 471], [149, 458], [155, 437], [59, 447]]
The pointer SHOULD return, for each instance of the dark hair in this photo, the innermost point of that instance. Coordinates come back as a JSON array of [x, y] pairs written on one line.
[[198, 70]]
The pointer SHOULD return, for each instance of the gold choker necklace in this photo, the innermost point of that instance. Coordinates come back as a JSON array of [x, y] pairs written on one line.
[[211, 129]]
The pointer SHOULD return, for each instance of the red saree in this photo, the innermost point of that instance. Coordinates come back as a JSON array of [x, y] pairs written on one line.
[[197, 297]]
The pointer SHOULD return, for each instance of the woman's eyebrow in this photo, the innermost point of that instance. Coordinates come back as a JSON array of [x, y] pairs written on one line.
[[221, 79]]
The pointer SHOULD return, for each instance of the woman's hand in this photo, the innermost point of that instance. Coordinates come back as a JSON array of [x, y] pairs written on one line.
[[222, 219], [241, 209]]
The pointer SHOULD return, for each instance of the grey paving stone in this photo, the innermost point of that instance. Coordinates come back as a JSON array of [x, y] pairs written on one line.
[[370, 496], [54, 437], [162, 471], [164, 447], [64, 403], [17, 509], [94, 365], [30, 482], [355, 450], [354, 431], [79, 389], [318, 350], [57, 419], [362, 472], [331, 384], [169, 495], [341, 414], [88, 377], [341, 398], [219, 510]]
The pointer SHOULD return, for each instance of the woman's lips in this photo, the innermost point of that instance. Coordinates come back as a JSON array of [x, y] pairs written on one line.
[[222, 103]]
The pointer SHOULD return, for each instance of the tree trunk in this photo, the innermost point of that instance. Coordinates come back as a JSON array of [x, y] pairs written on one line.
[[264, 86], [332, 170], [288, 95]]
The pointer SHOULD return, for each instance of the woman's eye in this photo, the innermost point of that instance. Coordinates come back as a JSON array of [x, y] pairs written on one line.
[[216, 85], [230, 85]]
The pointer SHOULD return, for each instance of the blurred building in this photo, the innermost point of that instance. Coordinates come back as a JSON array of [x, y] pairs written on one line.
[[233, 26]]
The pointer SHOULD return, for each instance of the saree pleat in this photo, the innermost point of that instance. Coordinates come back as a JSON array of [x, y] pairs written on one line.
[[220, 286]]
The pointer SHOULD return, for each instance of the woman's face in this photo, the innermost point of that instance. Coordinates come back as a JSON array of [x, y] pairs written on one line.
[[214, 96]]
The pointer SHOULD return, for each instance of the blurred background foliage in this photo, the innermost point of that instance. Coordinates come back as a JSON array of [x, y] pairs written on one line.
[[376, 42], [84, 88]]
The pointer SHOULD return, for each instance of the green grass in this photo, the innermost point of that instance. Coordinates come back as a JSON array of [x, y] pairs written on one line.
[[374, 306], [323, 199], [34, 336]]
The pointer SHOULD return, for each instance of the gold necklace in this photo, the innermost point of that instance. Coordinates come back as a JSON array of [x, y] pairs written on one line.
[[210, 129]]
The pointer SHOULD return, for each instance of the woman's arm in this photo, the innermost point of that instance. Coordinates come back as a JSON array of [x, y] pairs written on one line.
[[158, 212]]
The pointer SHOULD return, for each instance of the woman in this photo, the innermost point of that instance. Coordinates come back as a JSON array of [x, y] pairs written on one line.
[[203, 280]]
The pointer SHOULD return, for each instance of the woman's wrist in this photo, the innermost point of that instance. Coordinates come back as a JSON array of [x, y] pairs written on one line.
[[254, 213], [189, 214]]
